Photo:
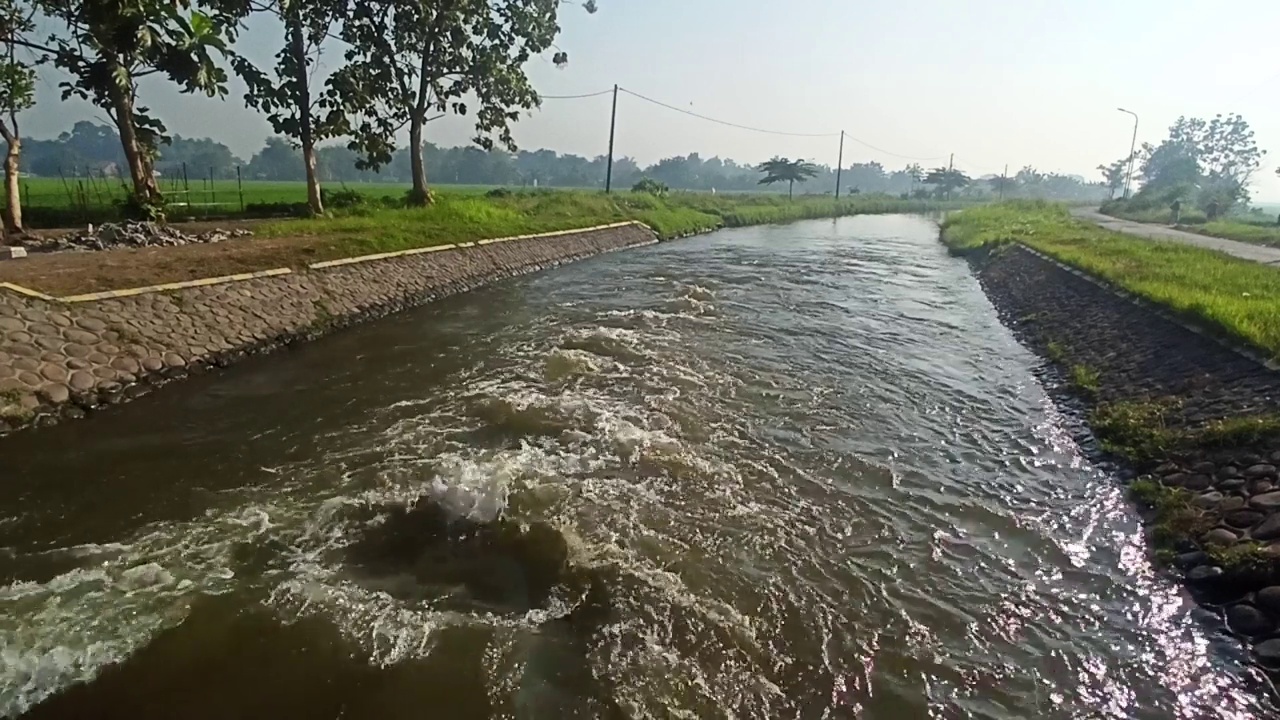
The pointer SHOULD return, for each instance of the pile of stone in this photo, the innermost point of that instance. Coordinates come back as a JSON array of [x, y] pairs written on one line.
[[128, 235]]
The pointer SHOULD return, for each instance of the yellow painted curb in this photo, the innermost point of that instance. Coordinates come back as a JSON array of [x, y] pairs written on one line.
[[27, 291], [489, 241], [378, 256], [111, 294]]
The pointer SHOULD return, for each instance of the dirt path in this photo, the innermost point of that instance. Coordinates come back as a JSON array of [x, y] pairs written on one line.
[[1246, 251], [72, 273]]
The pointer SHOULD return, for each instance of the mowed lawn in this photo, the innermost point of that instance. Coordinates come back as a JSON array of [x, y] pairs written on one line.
[[1236, 297]]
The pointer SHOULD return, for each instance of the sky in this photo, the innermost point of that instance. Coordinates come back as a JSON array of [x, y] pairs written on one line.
[[1016, 82]]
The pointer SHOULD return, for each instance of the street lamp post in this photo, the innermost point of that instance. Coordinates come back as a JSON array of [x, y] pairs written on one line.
[[1133, 146]]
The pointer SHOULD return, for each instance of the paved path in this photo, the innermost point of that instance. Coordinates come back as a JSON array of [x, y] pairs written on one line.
[[1257, 253]]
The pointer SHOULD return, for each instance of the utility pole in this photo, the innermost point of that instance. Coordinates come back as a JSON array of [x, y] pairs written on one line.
[[1004, 178], [1133, 147], [951, 166], [613, 127], [840, 165]]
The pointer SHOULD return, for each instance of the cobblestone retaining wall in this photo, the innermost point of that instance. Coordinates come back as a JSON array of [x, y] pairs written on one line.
[[1232, 558], [59, 358], [1139, 352]]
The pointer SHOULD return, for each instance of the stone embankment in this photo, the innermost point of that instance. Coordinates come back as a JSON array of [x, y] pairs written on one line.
[[62, 357], [1224, 496]]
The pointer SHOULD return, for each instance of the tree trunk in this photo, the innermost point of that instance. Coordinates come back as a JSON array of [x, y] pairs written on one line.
[[306, 132], [146, 194], [13, 196], [420, 195], [791, 184]]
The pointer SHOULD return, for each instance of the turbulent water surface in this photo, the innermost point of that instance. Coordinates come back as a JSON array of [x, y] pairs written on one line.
[[793, 471]]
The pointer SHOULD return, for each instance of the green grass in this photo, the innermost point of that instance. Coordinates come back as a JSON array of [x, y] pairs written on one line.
[[1176, 516], [1162, 215], [1136, 430], [1238, 298], [1086, 379], [1244, 232], [53, 202], [460, 217], [1143, 431], [1176, 520], [1250, 228], [1243, 557], [97, 192]]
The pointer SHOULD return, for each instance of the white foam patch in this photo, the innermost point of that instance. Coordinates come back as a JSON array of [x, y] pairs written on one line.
[[563, 363]]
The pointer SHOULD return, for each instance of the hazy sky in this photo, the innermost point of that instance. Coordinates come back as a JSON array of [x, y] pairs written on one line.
[[1001, 81]]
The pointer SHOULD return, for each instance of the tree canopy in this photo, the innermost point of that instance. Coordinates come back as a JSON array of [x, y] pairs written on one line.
[[1213, 160], [781, 169], [106, 47], [948, 180]]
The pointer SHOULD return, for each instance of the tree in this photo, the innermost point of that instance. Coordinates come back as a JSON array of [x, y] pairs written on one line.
[[780, 169], [277, 160], [201, 156], [1229, 156], [108, 46], [1114, 175], [414, 61], [1218, 155], [916, 173], [947, 180], [1003, 185], [17, 93], [293, 107], [867, 177]]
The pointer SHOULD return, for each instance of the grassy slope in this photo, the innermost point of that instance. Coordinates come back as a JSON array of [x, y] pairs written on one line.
[[1237, 297], [457, 217], [1249, 228], [1244, 232]]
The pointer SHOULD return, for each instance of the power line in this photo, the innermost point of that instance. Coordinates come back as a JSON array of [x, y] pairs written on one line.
[[776, 132], [894, 154], [725, 122], [576, 97]]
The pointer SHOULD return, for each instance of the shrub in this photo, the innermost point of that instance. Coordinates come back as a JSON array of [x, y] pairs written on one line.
[[343, 199], [650, 186]]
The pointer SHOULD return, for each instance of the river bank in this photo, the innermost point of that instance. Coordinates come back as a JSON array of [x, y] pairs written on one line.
[[63, 357], [1160, 348], [369, 228]]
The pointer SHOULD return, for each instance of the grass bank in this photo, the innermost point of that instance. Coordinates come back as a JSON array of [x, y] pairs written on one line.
[[1244, 232], [368, 225], [458, 217], [1238, 298], [1256, 229]]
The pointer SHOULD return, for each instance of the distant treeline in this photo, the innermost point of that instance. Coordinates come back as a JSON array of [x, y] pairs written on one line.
[[91, 149]]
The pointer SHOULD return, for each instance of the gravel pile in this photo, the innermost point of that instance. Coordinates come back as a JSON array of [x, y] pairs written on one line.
[[129, 235]]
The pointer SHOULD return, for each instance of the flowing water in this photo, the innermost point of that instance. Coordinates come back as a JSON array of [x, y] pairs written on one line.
[[795, 471]]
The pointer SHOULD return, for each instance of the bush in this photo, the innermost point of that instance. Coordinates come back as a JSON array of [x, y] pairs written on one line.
[[498, 193], [343, 199], [277, 209], [650, 186]]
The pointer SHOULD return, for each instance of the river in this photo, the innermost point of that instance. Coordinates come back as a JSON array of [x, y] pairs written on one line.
[[785, 471]]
